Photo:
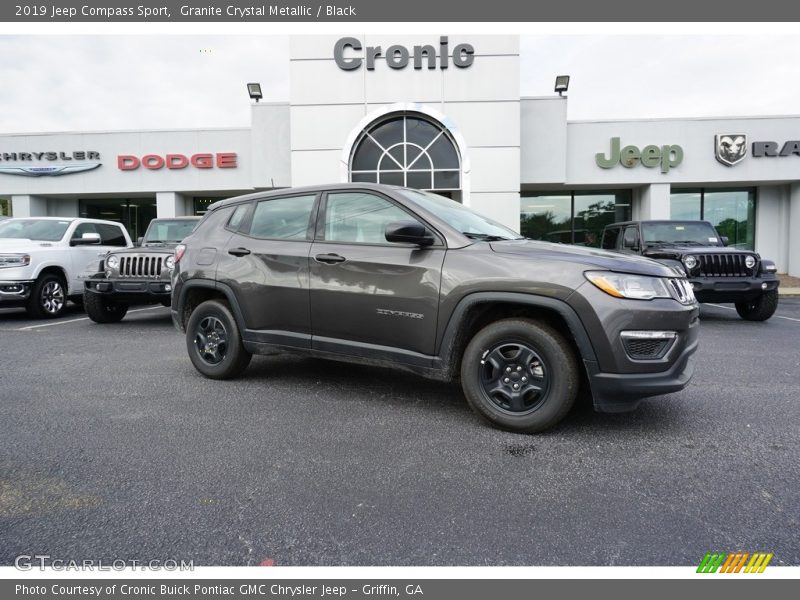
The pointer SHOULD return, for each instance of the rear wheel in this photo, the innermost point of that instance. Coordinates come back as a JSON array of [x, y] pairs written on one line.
[[48, 297], [214, 343], [760, 309], [102, 310], [520, 375]]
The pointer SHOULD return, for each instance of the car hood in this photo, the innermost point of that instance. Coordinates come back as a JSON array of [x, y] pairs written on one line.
[[678, 251], [23, 245], [170, 249], [592, 257]]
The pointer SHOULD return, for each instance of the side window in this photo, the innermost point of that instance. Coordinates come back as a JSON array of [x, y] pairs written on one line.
[[111, 235], [237, 217], [282, 218], [359, 217], [631, 237], [84, 228], [610, 237]]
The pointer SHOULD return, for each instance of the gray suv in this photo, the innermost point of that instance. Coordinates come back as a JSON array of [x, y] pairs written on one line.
[[406, 279]]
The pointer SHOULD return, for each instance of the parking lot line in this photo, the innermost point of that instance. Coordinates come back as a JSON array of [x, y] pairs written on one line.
[[29, 327], [775, 316]]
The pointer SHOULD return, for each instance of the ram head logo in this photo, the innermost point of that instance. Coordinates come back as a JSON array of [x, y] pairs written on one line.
[[730, 148]]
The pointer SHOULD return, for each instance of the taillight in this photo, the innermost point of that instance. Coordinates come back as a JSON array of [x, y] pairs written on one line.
[[180, 249]]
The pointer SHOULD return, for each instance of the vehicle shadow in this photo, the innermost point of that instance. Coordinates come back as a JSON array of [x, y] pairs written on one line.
[[356, 382]]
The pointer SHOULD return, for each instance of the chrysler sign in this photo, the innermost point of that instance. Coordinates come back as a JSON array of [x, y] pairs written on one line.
[[30, 168]]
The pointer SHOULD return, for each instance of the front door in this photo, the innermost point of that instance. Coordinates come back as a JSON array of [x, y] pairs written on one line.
[[370, 296]]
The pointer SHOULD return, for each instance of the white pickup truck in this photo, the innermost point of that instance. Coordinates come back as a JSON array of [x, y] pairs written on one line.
[[42, 257]]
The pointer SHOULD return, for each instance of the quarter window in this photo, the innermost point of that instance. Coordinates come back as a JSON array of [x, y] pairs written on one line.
[[358, 217], [282, 218]]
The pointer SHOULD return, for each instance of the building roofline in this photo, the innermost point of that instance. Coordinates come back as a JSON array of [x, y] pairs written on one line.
[[117, 131], [674, 119]]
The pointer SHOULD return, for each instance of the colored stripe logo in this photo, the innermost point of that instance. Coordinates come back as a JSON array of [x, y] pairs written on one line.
[[734, 562]]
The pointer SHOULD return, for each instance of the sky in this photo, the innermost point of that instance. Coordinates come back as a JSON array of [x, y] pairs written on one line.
[[91, 83]]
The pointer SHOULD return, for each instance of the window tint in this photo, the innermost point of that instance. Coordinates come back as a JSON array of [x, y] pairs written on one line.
[[238, 215], [360, 217], [84, 228], [111, 235], [282, 218], [610, 237]]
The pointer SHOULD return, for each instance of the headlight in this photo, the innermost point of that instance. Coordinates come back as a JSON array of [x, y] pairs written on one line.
[[170, 262], [14, 260], [690, 262], [750, 262], [624, 285], [113, 261]]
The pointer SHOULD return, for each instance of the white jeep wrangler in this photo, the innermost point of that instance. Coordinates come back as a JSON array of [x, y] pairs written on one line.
[[42, 257]]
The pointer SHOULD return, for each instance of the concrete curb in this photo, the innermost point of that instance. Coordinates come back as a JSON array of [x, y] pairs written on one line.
[[789, 291]]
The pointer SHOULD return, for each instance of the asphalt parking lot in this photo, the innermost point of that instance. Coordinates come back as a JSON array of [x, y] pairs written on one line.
[[113, 447]]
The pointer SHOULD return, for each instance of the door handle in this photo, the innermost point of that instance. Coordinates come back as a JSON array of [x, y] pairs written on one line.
[[239, 251], [329, 258]]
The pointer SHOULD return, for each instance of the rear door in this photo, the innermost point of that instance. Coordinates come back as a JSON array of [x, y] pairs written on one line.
[[368, 295], [265, 263]]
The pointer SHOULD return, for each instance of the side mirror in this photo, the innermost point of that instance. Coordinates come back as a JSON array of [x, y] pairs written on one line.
[[724, 240], [409, 232], [139, 241], [86, 239], [630, 244]]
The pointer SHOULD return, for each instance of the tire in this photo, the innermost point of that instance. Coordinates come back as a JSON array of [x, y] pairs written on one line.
[[101, 310], [760, 309], [214, 342], [527, 354], [48, 297]]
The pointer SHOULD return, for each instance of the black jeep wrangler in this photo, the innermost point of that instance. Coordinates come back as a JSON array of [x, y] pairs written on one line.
[[717, 273], [138, 275]]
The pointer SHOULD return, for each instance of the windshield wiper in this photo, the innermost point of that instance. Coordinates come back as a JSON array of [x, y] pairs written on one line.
[[659, 243], [689, 242], [485, 237]]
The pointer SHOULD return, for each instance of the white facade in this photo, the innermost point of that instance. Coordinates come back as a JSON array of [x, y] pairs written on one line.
[[507, 145]]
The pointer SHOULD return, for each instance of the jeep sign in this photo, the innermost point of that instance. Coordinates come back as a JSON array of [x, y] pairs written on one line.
[[347, 52], [667, 156]]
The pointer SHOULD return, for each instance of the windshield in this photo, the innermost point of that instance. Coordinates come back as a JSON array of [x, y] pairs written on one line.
[[461, 218], [44, 230], [680, 232], [168, 231]]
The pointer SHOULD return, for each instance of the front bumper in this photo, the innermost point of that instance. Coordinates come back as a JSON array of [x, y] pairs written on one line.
[[15, 292], [732, 289], [621, 392], [130, 290]]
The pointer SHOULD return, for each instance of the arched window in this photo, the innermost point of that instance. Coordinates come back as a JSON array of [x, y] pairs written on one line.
[[407, 149]]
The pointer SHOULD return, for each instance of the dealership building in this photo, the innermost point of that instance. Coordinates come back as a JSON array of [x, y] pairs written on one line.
[[442, 113]]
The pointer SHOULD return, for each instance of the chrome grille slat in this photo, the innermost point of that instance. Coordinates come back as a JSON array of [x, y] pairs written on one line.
[[147, 266]]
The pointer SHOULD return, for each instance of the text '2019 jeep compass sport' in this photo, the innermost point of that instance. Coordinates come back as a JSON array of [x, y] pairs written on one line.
[[401, 278]]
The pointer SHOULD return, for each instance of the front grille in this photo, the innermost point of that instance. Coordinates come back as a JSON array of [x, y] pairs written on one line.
[[682, 291], [723, 265], [141, 265]]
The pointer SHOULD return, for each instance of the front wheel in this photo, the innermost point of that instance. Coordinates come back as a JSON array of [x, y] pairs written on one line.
[[520, 375], [101, 310], [48, 297], [760, 309], [214, 343]]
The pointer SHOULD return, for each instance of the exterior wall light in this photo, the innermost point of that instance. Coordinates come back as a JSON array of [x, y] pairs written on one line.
[[254, 89], [562, 84]]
